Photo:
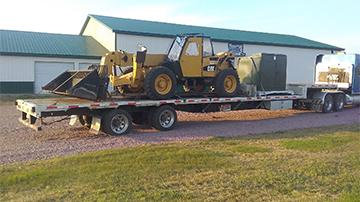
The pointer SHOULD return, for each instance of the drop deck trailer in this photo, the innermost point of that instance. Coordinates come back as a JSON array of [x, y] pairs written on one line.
[[115, 117]]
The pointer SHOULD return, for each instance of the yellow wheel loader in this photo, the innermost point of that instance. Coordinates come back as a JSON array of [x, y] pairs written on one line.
[[190, 62]]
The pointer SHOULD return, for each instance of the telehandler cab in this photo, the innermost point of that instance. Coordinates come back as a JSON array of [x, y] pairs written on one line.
[[190, 62]]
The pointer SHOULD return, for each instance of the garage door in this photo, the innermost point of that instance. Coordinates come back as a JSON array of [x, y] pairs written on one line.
[[47, 71], [84, 66]]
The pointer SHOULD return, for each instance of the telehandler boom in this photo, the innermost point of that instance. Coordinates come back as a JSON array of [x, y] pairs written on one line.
[[189, 62]]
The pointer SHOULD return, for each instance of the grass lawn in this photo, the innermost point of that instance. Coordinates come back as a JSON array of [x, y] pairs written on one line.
[[319, 164], [6, 98]]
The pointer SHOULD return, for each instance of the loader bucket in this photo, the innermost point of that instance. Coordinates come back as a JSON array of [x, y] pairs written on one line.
[[82, 84]]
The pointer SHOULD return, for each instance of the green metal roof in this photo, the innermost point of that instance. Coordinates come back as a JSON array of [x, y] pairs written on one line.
[[150, 28], [49, 45]]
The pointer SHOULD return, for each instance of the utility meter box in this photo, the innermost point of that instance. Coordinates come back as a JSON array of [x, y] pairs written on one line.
[[265, 71]]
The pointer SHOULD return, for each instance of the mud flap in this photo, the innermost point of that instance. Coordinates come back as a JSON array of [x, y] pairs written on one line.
[[73, 120], [95, 125]]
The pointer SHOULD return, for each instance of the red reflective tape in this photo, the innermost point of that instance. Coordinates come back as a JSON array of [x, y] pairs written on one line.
[[217, 99], [73, 106], [162, 102], [286, 97], [95, 105], [178, 101], [51, 107], [227, 99], [204, 100], [249, 98], [293, 96], [132, 103], [277, 97], [113, 104], [191, 100], [268, 97], [312, 85], [259, 98]]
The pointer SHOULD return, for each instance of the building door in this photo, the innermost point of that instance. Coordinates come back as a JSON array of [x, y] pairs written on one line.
[[47, 71]]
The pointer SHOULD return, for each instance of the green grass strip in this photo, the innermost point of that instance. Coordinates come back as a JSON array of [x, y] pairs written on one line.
[[318, 164]]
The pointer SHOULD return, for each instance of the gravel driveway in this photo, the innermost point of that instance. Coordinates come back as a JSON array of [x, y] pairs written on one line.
[[19, 143]]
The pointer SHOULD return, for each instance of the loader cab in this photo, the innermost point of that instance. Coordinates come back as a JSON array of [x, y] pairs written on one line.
[[189, 51]]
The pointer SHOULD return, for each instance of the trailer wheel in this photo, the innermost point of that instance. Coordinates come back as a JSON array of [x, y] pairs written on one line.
[[339, 102], [227, 83], [117, 122], [163, 118], [85, 120], [160, 83], [328, 104]]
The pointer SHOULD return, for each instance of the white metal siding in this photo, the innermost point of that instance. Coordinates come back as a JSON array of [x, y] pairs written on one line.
[[21, 68], [129, 43], [300, 61], [15, 68], [101, 33]]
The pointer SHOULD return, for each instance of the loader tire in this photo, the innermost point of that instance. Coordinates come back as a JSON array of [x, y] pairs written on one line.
[[227, 83], [160, 83]]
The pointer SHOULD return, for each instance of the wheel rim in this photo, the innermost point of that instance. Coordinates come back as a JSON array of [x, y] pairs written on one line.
[[166, 119], [328, 104], [163, 84], [230, 84], [119, 124]]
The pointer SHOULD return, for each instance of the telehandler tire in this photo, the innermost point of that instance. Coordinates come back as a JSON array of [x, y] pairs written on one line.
[[227, 83], [160, 83]]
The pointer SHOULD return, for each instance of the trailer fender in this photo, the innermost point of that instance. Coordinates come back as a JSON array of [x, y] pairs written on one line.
[[327, 101]]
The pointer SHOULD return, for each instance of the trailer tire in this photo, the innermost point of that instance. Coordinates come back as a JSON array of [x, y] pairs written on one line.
[[227, 83], [117, 122], [328, 103], [160, 83], [163, 118], [339, 102]]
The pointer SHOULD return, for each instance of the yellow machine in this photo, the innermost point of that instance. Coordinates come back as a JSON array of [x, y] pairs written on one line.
[[190, 62]]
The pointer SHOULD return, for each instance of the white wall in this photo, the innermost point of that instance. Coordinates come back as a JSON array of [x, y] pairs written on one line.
[[300, 61], [129, 43], [100, 33], [21, 68]]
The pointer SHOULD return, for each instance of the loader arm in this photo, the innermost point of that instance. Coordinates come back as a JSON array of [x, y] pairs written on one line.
[[114, 59]]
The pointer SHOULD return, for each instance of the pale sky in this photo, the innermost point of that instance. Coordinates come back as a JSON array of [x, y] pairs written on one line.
[[333, 22]]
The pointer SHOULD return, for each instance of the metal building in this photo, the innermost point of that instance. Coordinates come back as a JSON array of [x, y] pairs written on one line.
[[126, 34], [29, 60]]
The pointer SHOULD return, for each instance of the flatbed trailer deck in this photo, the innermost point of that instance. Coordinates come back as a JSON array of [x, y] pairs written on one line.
[[115, 116]]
